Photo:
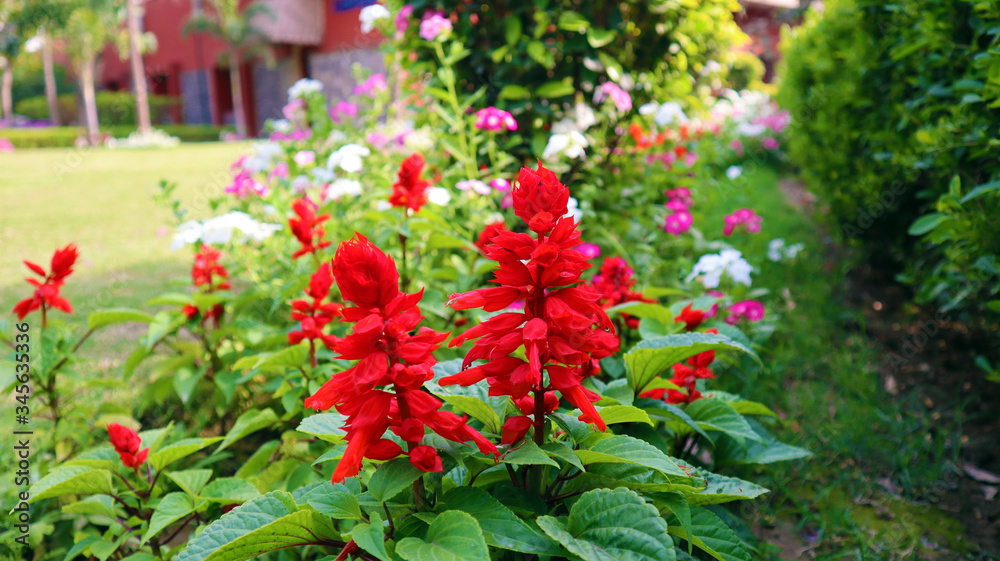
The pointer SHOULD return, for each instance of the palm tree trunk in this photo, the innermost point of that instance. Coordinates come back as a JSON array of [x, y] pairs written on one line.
[[51, 94], [236, 87], [6, 94], [138, 70], [89, 97]]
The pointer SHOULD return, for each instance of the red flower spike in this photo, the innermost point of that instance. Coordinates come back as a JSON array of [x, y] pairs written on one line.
[[126, 442], [562, 329], [392, 352], [691, 318], [307, 227], [614, 283], [410, 189], [46, 293], [515, 428], [315, 315], [488, 233], [208, 274]]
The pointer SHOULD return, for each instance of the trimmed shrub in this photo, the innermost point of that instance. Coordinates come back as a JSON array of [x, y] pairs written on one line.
[[113, 108], [62, 137]]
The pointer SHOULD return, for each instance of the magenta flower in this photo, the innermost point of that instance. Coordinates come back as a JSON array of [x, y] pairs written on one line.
[[433, 25], [751, 310], [493, 119], [500, 184], [297, 135], [243, 185], [737, 145], [6, 147], [374, 84], [620, 97], [743, 217], [343, 108], [474, 185], [378, 139], [678, 223], [770, 143], [402, 20], [280, 171], [304, 158], [589, 250], [681, 195], [676, 205], [294, 111]]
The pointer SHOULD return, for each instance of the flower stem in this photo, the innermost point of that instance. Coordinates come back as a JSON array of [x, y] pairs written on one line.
[[535, 478]]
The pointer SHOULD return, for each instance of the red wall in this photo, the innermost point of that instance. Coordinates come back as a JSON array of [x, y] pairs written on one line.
[[343, 31]]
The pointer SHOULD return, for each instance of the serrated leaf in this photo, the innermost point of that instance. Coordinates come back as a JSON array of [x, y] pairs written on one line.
[[391, 478], [180, 449], [650, 357], [722, 489], [76, 480], [171, 508], [191, 481], [325, 426], [670, 412], [335, 501], [501, 527], [111, 316], [528, 454], [629, 450], [711, 535], [369, 537], [452, 536], [714, 414], [229, 490], [612, 525], [249, 422], [268, 523], [563, 452], [678, 505]]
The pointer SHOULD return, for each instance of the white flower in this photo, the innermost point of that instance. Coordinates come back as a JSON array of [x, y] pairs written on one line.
[[438, 195], [371, 14], [342, 187], [348, 157], [570, 144], [304, 158], [579, 119], [711, 267], [220, 230], [383, 205], [750, 129], [573, 209], [777, 250], [665, 113], [304, 87], [281, 125], [264, 155], [322, 175], [793, 250], [301, 183], [734, 171], [475, 185]]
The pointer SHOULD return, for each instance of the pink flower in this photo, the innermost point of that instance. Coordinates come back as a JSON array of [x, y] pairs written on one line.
[[297, 135], [402, 20], [620, 97], [589, 250], [343, 108], [374, 84], [507, 201], [378, 139], [305, 158], [681, 195], [294, 111], [433, 25], [676, 205], [243, 184], [493, 119], [474, 185], [743, 217], [678, 223], [751, 310], [280, 171], [737, 145], [6, 147], [500, 184], [770, 143]]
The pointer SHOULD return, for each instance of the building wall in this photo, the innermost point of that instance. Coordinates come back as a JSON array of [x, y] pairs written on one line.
[[334, 69]]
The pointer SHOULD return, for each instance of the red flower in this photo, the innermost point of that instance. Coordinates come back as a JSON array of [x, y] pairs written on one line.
[[46, 294], [515, 428], [389, 354], [488, 233], [527, 404], [307, 227], [314, 315], [126, 442], [410, 189], [206, 267], [686, 376], [562, 328], [691, 318], [426, 459], [614, 283]]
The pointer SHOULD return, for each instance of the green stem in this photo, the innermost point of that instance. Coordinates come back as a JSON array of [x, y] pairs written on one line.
[[467, 144]]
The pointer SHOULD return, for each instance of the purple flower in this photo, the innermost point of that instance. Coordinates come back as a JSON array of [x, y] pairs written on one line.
[[620, 97], [374, 84], [493, 119], [433, 25]]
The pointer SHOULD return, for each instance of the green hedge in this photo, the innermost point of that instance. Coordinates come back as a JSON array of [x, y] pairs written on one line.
[[113, 108], [895, 114], [60, 137]]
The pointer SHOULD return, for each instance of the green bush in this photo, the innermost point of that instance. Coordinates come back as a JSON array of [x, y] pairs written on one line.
[[888, 102], [113, 108], [62, 137]]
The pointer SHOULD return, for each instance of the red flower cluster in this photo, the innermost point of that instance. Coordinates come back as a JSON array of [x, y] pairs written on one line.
[[489, 232], [388, 356], [307, 227], [47, 290], [686, 376], [410, 189], [562, 329], [691, 318], [126, 442], [315, 315], [208, 274], [614, 283]]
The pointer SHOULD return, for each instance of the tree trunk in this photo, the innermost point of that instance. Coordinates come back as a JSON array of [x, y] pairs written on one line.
[[236, 86], [138, 70], [51, 94], [6, 94], [90, 98]]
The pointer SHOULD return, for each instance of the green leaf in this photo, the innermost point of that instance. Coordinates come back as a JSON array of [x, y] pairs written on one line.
[[629, 450], [576, 428], [335, 501], [563, 452], [514, 91], [170, 509], [650, 357], [722, 489], [670, 412], [612, 525], [678, 505], [926, 223], [614, 414], [477, 409], [249, 422], [325, 426], [180, 449], [229, 490], [980, 190], [711, 535], [638, 309], [501, 527], [572, 21], [555, 89], [528, 454], [111, 316], [714, 414], [191, 481], [289, 357], [453, 536], [599, 37], [370, 537], [391, 478], [512, 29], [268, 523], [71, 480]]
